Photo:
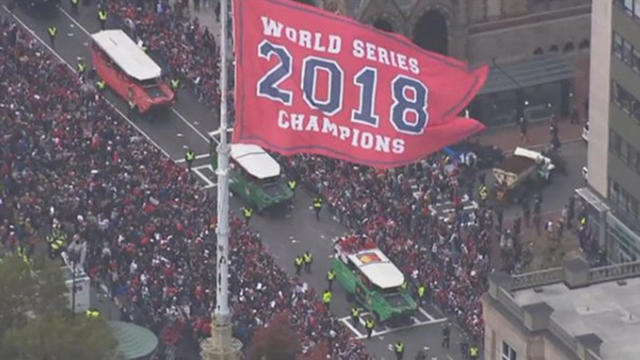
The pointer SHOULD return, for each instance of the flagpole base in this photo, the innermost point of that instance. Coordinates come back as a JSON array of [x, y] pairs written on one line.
[[221, 345]]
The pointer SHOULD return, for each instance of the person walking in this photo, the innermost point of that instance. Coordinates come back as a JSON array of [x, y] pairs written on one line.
[[326, 299], [174, 84], [74, 5], [188, 158], [52, 31], [101, 85], [399, 350], [317, 206], [369, 325], [422, 292], [81, 66], [446, 336], [299, 262], [292, 186], [474, 352], [355, 316], [247, 211], [102, 18], [331, 275], [308, 259], [523, 130]]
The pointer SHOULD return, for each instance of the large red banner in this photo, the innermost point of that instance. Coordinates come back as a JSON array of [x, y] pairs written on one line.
[[308, 81]]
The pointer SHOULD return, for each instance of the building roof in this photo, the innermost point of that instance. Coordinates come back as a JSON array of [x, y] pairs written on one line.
[[255, 160], [536, 70], [609, 310], [134, 342], [377, 267], [127, 54]]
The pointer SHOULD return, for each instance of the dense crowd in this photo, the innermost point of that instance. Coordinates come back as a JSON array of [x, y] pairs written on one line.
[[452, 260], [447, 254], [68, 162]]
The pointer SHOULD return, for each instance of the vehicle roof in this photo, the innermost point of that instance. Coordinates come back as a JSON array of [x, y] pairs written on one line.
[[377, 268], [123, 51], [255, 160]]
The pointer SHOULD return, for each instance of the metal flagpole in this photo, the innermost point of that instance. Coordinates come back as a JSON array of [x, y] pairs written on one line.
[[222, 346]]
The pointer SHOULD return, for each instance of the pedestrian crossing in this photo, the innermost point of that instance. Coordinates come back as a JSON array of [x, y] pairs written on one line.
[[420, 318]]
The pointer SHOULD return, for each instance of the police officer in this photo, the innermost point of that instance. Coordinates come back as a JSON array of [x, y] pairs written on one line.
[[82, 68], [484, 193], [399, 350], [355, 316], [446, 336], [369, 325], [248, 213], [92, 314], [174, 84], [317, 206], [308, 259], [74, 5], [189, 157], [101, 85], [331, 274], [422, 292], [326, 299], [102, 17], [299, 262], [52, 31], [292, 185], [474, 352]]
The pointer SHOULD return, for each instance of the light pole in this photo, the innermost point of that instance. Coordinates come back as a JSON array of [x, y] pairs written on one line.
[[221, 345]]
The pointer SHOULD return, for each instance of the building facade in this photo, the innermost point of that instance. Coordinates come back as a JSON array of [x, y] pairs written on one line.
[[568, 313], [614, 129]]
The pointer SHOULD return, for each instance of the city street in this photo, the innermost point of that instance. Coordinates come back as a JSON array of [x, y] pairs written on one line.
[[188, 126]]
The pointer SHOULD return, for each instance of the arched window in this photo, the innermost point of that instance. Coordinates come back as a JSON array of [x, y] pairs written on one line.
[[538, 51], [430, 32], [553, 48], [584, 44], [568, 47]]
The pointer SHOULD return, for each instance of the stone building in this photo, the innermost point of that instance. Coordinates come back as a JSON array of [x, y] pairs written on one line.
[[531, 45]]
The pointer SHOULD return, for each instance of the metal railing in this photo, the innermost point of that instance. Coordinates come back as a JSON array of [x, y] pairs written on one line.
[[537, 278], [614, 272]]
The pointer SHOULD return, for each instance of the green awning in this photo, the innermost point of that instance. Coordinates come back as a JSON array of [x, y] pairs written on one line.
[[134, 342], [536, 70]]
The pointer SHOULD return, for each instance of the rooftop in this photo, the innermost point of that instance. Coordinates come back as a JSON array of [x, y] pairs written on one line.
[[608, 310]]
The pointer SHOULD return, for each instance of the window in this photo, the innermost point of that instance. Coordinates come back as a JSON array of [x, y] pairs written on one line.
[[553, 48], [617, 45], [637, 8], [568, 47], [615, 143], [626, 52], [508, 353], [635, 60], [628, 6]]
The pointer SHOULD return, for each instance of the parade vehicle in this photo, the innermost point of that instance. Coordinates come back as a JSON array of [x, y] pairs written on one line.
[[523, 167], [255, 176], [473, 154], [371, 279], [129, 71]]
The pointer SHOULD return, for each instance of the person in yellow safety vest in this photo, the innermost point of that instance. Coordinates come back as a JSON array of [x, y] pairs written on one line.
[[483, 192], [299, 263], [102, 17], [101, 85], [82, 68], [331, 275], [422, 292], [74, 5], [22, 253], [308, 259], [583, 221], [52, 31], [189, 157], [369, 324], [399, 350], [326, 299], [56, 241], [292, 185], [474, 352], [355, 316], [92, 314], [174, 84], [404, 285], [248, 213], [317, 206]]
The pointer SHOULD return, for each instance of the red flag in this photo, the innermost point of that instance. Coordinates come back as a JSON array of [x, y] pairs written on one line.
[[308, 81]]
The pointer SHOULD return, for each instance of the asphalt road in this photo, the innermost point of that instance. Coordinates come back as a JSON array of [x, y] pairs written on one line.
[[286, 235]]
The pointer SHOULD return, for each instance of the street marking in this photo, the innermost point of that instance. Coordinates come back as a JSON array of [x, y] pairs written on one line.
[[172, 109], [198, 157], [386, 330], [179, 135], [63, 61], [209, 183]]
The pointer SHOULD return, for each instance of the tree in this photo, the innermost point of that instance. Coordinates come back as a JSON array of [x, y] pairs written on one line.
[[276, 341], [35, 323]]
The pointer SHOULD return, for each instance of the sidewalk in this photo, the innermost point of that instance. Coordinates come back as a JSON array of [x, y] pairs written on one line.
[[508, 138]]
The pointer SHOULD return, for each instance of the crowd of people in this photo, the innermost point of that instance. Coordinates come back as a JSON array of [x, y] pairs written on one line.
[[70, 165], [447, 254]]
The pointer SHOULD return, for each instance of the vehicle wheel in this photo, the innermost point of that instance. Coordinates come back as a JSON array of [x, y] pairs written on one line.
[[350, 297]]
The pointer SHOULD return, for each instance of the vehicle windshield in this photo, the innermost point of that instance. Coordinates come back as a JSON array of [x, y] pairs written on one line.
[[148, 83]]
